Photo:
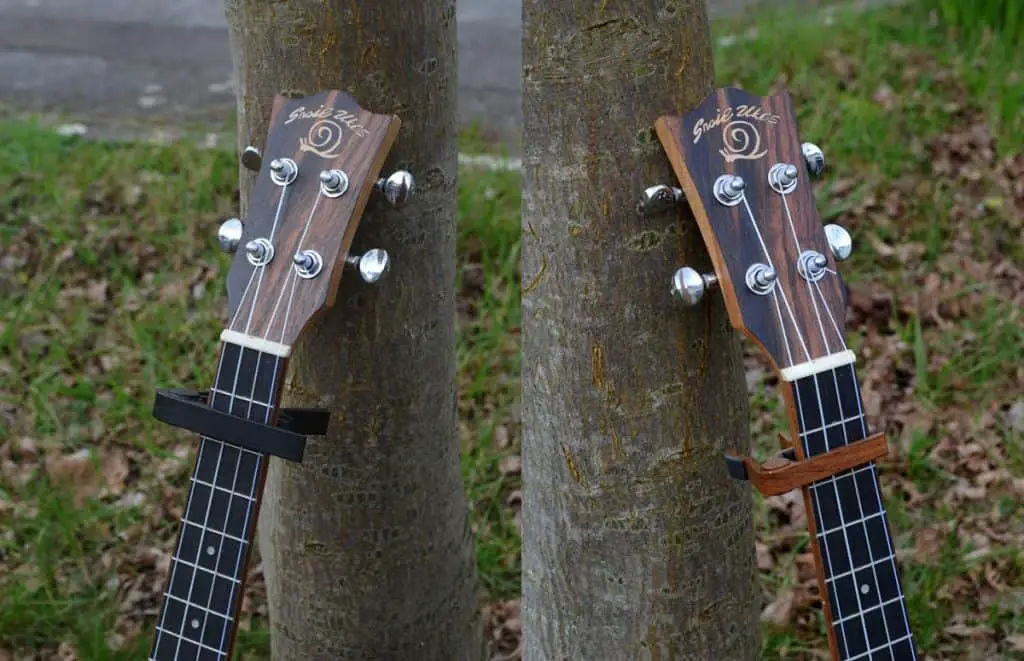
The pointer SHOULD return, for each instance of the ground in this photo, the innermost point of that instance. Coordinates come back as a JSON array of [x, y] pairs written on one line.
[[118, 67], [111, 286]]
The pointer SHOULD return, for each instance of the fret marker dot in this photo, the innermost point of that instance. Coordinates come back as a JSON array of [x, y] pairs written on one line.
[[210, 550], [195, 624], [864, 589]]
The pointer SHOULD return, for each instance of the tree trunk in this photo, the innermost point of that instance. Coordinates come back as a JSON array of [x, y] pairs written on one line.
[[366, 544], [636, 543]]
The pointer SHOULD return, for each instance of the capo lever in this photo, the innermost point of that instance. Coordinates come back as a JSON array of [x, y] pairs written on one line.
[[785, 472], [190, 410]]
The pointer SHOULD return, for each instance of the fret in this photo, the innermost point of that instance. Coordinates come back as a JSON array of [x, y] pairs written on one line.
[[171, 645], [896, 650], [240, 398], [861, 580], [219, 510], [865, 588], [855, 419], [212, 575], [222, 489], [206, 578]]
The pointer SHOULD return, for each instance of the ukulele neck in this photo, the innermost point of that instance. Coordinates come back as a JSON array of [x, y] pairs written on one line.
[[198, 618], [866, 608]]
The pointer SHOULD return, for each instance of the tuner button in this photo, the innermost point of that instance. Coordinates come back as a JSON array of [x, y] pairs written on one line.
[[252, 159], [397, 188], [814, 158], [689, 286], [372, 266], [229, 235], [656, 199], [839, 241]]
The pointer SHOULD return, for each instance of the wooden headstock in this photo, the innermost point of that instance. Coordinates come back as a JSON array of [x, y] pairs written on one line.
[[322, 159], [744, 173]]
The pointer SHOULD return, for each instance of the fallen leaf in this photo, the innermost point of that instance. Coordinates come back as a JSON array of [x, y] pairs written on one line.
[[501, 437], [779, 611], [115, 469], [76, 471], [66, 653], [510, 465], [928, 542], [764, 556]]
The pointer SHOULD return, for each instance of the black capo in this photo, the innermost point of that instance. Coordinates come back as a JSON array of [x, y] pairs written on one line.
[[189, 409]]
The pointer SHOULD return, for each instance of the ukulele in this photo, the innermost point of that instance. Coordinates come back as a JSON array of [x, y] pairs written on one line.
[[325, 154], [746, 177]]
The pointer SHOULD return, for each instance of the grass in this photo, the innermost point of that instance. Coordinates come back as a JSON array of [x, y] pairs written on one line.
[[1003, 16], [110, 286]]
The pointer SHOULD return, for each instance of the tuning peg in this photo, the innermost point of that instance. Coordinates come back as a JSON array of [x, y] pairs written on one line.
[[814, 158], [252, 159], [372, 265], [656, 199], [689, 286], [229, 234], [397, 188], [839, 241]]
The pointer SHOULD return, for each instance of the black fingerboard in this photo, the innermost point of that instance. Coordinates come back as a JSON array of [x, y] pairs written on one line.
[[198, 618], [862, 581]]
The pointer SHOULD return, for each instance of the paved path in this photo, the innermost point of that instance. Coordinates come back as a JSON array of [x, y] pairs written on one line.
[[168, 60]]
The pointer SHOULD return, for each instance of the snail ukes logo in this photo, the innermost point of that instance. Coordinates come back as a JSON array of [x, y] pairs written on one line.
[[326, 135], [740, 138]]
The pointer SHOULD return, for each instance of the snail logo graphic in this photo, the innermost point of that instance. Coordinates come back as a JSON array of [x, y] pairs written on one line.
[[324, 139], [740, 138], [741, 141]]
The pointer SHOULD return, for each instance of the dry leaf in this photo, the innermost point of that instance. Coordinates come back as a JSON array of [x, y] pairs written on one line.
[[115, 469], [928, 542], [74, 470], [510, 465], [780, 611], [501, 437]]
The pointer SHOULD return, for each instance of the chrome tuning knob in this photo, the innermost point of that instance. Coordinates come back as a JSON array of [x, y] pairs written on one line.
[[689, 285], [229, 234], [659, 198], [372, 266], [839, 241], [814, 158], [397, 188]]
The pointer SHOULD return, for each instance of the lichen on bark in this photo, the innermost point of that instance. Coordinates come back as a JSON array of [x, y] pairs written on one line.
[[366, 544], [636, 545]]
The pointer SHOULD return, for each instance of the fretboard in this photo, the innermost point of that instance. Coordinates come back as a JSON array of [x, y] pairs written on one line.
[[868, 611], [197, 620]]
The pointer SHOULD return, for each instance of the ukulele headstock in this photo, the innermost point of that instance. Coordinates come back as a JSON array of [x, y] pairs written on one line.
[[746, 176], [322, 161]]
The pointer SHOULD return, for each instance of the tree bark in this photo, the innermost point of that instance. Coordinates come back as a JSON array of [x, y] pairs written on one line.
[[366, 545], [636, 543]]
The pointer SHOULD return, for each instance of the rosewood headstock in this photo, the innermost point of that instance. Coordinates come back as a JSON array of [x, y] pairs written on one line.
[[322, 159], [745, 175]]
